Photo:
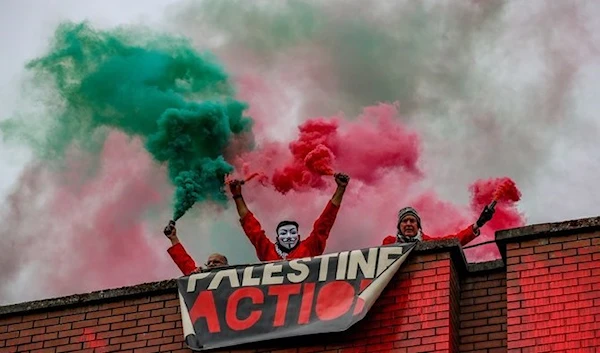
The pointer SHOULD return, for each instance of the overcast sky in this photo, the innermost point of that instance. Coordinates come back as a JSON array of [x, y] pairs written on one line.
[[554, 159], [26, 27]]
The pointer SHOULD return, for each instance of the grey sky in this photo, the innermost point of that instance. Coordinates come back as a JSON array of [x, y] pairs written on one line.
[[26, 27], [563, 151]]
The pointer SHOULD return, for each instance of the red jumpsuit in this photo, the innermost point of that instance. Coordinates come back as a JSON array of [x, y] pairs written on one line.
[[182, 259], [314, 245], [464, 236]]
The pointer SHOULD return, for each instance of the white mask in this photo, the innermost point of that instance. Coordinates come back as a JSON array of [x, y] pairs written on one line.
[[287, 236]]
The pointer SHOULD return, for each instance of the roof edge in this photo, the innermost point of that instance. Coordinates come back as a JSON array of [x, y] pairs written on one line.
[[553, 229], [167, 286], [170, 286], [548, 229]]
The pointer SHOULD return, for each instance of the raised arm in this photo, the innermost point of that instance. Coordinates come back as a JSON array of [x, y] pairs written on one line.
[[250, 224], [178, 253], [317, 240], [466, 235], [342, 181], [236, 192]]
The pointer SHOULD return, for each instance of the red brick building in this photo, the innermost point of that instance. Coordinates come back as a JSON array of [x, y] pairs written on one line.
[[543, 296]]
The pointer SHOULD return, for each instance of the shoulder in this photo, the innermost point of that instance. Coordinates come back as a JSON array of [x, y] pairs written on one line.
[[390, 239]]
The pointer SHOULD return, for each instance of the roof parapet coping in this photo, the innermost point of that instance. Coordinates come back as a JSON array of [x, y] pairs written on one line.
[[541, 230], [170, 286]]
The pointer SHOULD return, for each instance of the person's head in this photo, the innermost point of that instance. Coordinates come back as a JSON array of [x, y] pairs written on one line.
[[216, 260], [288, 236], [409, 222]]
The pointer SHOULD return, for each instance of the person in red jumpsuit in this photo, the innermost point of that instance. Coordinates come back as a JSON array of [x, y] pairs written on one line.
[[410, 230], [288, 244], [183, 260]]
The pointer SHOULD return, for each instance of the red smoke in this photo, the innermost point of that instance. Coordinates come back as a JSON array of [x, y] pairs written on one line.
[[107, 236], [84, 228], [365, 149], [506, 193], [382, 157], [319, 160], [315, 136], [81, 233]]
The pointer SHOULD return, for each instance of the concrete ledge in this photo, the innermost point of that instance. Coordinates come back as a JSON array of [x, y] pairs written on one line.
[[435, 246], [153, 288], [170, 286], [458, 256], [543, 230], [451, 246], [488, 266]]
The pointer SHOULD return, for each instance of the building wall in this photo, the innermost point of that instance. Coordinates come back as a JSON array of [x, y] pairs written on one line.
[[546, 298], [483, 313], [413, 314], [553, 294], [145, 324]]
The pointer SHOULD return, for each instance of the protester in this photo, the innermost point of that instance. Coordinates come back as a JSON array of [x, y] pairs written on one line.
[[288, 244], [410, 229], [183, 260]]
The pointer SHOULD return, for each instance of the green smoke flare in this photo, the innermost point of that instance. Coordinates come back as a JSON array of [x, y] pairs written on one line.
[[152, 86]]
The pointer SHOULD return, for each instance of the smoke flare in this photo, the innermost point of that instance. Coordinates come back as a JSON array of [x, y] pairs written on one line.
[[148, 85], [488, 88], [319, 160]]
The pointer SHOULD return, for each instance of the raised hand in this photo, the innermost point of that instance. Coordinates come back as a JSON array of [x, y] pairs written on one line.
[[341, 179]]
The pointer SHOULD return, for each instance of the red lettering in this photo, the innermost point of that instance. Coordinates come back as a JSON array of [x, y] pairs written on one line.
[[334, 300], [360, 302], [364, 284], [306, 306], [283, 293], [236, 324], [205, 307]]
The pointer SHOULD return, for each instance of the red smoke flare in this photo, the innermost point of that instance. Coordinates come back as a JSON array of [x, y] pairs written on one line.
[[507, 191], [506, 215], [229, 179], [371, 145], [296, 175], [382, 157], [504, 190], [319, 160], [252, 176]]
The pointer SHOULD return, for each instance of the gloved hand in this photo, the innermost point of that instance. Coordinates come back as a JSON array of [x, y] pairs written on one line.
[[170, 230], [486, 216], [341, 179], [235, 187]]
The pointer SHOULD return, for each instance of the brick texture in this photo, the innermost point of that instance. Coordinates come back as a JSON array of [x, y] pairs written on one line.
[[546, 299], [553, 294], [483, 313], [411, 315], [454, 309], [147, 324]]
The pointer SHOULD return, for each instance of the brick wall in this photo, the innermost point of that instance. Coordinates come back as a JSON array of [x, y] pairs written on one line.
[[553, 293], [454, 309], [546, 298], [483, 313], [146, 324], [411, 315]]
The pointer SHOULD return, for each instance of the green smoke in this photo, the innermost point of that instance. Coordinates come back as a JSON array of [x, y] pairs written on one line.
[[149, 85]]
